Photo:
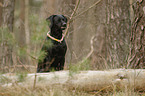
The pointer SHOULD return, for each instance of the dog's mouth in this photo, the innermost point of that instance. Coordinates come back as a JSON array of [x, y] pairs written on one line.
[[63, 28]]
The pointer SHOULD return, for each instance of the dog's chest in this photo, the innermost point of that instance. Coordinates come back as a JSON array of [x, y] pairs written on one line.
[[59, 48]]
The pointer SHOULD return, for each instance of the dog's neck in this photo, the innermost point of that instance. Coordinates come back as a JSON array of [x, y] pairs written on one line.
[[56, 33]]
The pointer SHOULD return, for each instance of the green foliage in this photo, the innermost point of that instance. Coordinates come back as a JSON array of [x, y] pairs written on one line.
[[7, 37], [21, 51], [41, 54], [41, 79], [75, 68], [4, 79], [21, 77], [38, 29], [48, 44]]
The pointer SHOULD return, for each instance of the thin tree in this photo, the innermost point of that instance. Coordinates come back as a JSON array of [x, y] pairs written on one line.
[[27, 26], [1, 6]]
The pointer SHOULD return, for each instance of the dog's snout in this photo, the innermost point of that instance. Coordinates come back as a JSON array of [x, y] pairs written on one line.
[[64, 24]]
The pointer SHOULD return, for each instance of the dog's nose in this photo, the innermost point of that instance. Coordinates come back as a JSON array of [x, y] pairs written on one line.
[[64, 24]]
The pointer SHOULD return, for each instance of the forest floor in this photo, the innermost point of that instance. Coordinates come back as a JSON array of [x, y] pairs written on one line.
[[25, 89], [43, 90]]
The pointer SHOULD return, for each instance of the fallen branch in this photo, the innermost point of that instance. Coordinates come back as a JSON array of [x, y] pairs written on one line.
[[84, 80]]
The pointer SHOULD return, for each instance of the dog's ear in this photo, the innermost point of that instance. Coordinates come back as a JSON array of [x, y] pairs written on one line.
[[65, 18], [51, 19]]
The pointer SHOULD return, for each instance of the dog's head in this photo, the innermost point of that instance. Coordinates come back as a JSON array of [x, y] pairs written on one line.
[[58, 21]]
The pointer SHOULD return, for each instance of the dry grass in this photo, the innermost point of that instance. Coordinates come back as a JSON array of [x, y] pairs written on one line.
[[43, 90], [40, 90]]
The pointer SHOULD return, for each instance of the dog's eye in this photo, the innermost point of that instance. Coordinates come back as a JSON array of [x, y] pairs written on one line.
[[62, 19]]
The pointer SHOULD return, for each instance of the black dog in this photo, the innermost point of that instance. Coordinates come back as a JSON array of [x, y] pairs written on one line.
[[55, 54]]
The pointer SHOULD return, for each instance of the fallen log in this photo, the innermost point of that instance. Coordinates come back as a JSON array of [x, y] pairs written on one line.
[[82, 80]]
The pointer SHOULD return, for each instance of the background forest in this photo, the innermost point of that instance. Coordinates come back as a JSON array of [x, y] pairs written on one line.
[[103, 34]]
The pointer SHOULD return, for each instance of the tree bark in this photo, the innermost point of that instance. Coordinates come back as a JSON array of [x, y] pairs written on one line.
[[22, 24], [1, 6], [117, 79], [27, 33], [117, 32], [137, 39], [7, 23], [8, 14]]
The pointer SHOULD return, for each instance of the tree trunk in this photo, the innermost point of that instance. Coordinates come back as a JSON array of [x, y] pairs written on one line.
[[110, 23], [8, 14], [117, 32], [27, 33], [137, 50], [7, 23], [1, 6], [22, 24], [117, 79]]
